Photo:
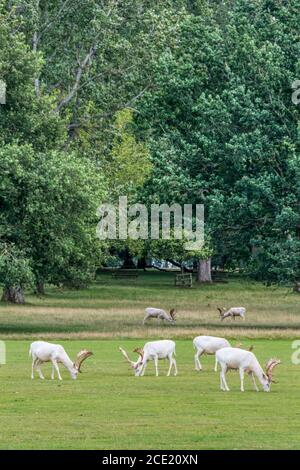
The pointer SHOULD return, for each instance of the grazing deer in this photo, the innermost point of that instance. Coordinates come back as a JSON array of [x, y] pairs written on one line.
[[160, 314], [245, 361], [42, 352], [232, 312], [153, 351], [207, 345]]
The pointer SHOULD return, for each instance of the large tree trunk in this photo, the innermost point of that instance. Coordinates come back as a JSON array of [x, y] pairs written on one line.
[[204, 270], [40, 288], [13, 294]]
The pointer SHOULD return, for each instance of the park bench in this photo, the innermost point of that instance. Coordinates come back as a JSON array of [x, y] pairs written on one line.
[[219, 276], [125, 273], [184, 280]]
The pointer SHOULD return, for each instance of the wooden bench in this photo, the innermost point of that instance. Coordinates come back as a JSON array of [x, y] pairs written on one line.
[[184, 280], [219, 276], [125, 273]]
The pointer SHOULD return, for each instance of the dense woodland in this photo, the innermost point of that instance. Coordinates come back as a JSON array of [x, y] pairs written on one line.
[[183, 101]]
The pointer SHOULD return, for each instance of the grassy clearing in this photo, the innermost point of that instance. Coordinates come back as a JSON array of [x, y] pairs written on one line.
[[114, 308], [108, 408]]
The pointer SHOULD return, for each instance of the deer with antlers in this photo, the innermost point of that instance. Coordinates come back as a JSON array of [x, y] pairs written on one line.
[[245, 361], [42, 352], [160, 314], [232, 312], [152, 351]]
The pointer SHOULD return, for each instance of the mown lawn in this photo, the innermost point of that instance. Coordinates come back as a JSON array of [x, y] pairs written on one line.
[[115, 308], [108, 408]]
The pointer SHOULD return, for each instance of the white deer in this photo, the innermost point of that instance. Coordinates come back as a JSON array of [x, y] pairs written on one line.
[[153, 351], [42, 352], [232, 312], [160, 314], [245, 361], [208, 345]]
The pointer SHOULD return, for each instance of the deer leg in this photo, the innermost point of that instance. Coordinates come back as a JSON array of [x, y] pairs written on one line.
[[223, 372], [175, 367], [52, 372], [197, 361], [253, 381], [38, 367], [171, 364], [145, 318], [55, 365], [34, 362], [221, 383], [156, 365], [216, 364], [242, 379]]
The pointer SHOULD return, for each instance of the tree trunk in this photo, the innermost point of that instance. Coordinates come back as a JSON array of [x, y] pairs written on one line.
[[142, 263], [14, 295], [40, 288], [128, 261], [297, 286], [204, 270]]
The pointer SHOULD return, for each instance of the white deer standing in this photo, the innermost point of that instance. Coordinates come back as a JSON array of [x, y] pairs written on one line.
[[152, 351], [208, 345], [160, 314], [42, 352], [245, 361], [232, 312]]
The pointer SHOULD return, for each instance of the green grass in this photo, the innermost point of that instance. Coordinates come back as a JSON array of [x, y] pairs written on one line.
[[108, 408], [114, 308]]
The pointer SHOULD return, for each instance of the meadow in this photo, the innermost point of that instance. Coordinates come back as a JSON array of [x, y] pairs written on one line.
[[113, 308], [108, 408]]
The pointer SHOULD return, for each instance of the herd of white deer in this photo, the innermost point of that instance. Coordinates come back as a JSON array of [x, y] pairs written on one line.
[[227, 357]]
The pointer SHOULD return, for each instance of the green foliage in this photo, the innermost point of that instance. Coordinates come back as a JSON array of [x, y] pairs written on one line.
[[128, 164], [15, 267], [49, 204], [223, 130]]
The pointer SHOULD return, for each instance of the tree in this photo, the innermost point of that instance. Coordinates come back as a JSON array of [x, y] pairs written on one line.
[[48, 208], [48, 195], [222, 128], [15, 274]]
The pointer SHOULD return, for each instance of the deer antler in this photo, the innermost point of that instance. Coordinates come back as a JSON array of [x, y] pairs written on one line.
[[125, 355], [269, 368], [139, 351], [82, 356], [173, 313]]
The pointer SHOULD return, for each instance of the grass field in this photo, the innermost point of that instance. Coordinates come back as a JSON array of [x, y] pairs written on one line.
[[115, 308], [108, 408]]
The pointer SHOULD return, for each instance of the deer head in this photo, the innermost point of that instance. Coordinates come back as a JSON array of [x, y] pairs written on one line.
[[222, 311], [135, 365]]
